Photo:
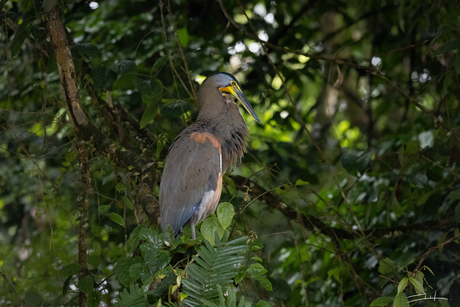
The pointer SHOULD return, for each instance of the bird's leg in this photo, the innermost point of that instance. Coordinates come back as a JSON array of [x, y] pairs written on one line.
[[193, 230]]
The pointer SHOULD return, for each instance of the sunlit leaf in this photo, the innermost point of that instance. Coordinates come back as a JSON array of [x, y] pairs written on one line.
[[225, 214], [400, 300], [209, 227], [149, 115]]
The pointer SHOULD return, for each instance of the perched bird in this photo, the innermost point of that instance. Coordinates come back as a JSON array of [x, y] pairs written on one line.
[[192, 177]]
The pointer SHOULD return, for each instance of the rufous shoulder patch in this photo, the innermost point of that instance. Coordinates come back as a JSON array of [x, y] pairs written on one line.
[[202, 137]]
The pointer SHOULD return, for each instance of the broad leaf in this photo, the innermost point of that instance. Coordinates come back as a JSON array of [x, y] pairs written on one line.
[[209, 227], [400, 300], [71, 269], [402, 284], [117, 219], [103, 77], [127, 202], [149, 115], [449, 46], [348, 161], [385, 266], [94, 260], [85, 284], [122, 271], [225, 214], [417, 285], [124, 66], [454, 195], [151, 90], [19, 37], [381, 302]]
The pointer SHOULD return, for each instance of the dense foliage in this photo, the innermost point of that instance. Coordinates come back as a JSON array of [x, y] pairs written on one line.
[[348, 193]]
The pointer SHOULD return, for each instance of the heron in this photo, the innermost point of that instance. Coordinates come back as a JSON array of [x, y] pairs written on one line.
[[191, 183]]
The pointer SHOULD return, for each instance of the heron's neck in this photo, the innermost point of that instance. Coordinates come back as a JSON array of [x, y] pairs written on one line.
[[230, 129]]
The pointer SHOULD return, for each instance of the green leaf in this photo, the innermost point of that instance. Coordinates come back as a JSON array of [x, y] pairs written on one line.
[[85, 284], [151, 90], [208, 303], [300, 182], [400, 300], [419, 276], [454, 195], [335, 272], [33, 299], [417, 285], [19, 37], [151, 236], [134, 298], [124, 66], [381, 301], [211, 267], [71, 269], [117, 219], [385, 266], [457, 213], [449, 46], [255, 270], [122, 271], [183, 36], [262, 304], [264, 282], [444, 29], [209, 227], [402, 284], [169, 234], [120, 187], [348, 161], [103, 77], [155, 258], [104, 208], [127, 202], [149, 115], [94, 260], [225, 214], [363, 161], [136, 270], [66, 284], [231, 297]]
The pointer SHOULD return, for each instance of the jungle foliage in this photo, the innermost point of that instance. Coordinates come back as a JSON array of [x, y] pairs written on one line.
[[348, 194]]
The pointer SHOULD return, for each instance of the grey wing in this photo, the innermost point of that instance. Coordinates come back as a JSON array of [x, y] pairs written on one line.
[[192, 168]]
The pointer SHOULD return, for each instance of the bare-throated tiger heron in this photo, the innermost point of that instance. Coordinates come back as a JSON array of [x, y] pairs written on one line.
[[192, 177]]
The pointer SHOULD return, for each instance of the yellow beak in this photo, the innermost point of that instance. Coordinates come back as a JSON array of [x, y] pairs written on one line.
[[236, 91]]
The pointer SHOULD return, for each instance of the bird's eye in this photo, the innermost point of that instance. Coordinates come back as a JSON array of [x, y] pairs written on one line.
[[233, 83]]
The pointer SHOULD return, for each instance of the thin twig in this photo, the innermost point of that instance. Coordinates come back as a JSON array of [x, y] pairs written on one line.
[[389, 279], [430, 250], [187, 71]]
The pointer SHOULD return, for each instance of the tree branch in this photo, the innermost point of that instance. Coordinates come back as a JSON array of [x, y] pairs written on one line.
[[82, 127], [314, 224], [430, 250]]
